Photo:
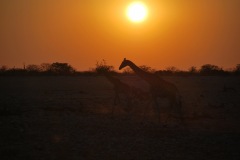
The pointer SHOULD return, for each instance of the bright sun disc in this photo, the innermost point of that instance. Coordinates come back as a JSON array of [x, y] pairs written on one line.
[[137, 12]]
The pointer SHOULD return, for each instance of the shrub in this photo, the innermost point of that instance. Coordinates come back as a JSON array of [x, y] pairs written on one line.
[[102, 67], [209, 69], [61, 68], [147, 68]]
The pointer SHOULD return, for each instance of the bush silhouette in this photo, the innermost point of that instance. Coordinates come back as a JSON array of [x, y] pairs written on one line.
[[61, 68], [147, 68], [209, 69], [193, 70], [32, 68], [102, 67]]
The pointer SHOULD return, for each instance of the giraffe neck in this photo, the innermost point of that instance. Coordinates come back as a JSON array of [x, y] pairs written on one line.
[[148, 77]]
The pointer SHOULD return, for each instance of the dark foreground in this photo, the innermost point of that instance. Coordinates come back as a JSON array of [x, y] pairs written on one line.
[[69, 118]]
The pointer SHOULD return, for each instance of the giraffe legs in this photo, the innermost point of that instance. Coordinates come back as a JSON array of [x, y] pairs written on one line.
[[176, 106], [179, 109], [180, 112], [157, 108], [146, 108], [116, 99], [128, 101]]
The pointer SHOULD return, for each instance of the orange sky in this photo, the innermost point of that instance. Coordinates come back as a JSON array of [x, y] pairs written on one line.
[[180, 33]]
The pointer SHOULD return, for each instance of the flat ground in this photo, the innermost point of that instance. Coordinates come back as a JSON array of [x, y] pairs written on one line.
[[70, 118]]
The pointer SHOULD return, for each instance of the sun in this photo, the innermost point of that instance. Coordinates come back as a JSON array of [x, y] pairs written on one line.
[[136, 12]]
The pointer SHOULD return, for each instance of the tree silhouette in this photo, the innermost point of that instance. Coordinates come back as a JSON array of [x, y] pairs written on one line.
[[209, 69], [61, 68], [193, 70], [33, 68]]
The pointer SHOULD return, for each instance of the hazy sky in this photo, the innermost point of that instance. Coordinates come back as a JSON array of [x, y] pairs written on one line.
[[180, 33]]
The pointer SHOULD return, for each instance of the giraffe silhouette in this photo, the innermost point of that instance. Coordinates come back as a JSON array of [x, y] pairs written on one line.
[[159, 88], [120, 87]]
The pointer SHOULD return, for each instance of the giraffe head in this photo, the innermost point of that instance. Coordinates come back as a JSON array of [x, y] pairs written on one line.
[[123, 64]]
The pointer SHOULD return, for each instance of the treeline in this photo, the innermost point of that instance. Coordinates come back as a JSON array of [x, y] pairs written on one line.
[[64, 69], [204, 70], [43, 69]]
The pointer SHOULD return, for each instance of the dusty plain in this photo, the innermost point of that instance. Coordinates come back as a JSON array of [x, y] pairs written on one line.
[[69, 118]]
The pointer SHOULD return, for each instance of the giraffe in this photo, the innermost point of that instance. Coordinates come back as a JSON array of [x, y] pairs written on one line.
[[159, 88], [120, 87]]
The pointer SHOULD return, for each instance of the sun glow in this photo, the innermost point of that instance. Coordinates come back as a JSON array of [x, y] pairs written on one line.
[[136, 12]]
